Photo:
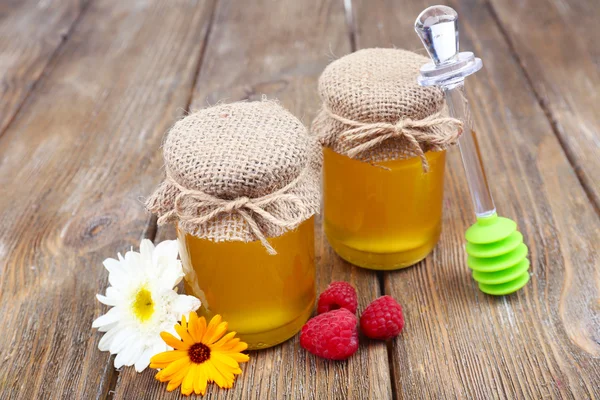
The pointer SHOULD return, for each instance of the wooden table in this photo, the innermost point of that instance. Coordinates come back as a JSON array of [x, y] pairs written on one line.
[[89, 88]]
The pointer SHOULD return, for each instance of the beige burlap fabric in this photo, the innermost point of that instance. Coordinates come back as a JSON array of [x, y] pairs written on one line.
[[239, 172], [373, 109]]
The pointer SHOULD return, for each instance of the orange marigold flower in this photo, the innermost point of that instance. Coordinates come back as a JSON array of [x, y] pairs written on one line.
[[202, 355]]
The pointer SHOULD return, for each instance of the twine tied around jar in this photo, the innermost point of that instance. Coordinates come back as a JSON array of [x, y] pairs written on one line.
[[246, 207], [363, 136]]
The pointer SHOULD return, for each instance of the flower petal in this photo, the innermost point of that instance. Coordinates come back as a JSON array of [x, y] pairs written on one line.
[[175, 367], [118, 363], [227, 346], [106, 300], [127, 355], [134, 352], [113, 265], [224, 340], [161, 360], [113, 315], [146, 250], [187, 386], [174, 384], [117, 275], [171, 275], [143, 359], [200, 328], [239, 357], [234, 346], [106, 328], [177, 379], [114, 293], [134, 265], [106, 340], [225, 360], [225, 370], [184, 335], [210, 329], [122, 339], [193, 321], [164, 252], [214, 374], [217, 333], [183, 323], [184, 304], [173, 341], [200, 380]]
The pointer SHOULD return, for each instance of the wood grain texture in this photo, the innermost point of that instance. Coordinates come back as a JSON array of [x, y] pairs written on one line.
[[73, 165], [557, 45], [279, 49], [77, 152], [544, 341], [30, 33]]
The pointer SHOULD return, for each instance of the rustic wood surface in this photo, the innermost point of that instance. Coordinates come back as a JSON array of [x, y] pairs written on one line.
[[31, 32], [544, 340], [88, 89], [73, 163], [557, 47]]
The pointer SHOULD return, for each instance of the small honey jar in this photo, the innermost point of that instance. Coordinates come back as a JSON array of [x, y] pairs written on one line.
[[242, 186], [384, 141]]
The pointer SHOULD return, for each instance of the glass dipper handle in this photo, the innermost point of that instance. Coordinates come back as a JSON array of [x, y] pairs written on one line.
[[496, 252], [437, 27]]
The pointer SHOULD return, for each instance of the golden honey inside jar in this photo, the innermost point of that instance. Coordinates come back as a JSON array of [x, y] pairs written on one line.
[[265, 298], [387, 216], [242, 187], [384, 141]]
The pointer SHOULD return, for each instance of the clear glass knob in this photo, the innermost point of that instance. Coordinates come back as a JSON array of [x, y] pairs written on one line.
[[437, 27]]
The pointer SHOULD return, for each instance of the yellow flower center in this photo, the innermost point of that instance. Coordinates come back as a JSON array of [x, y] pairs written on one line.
[[143, 306], [198, 353]]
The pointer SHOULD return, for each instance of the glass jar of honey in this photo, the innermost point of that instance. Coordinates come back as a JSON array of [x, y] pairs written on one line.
[[242, 188], [369, 218], [266, 304], [384, 141]]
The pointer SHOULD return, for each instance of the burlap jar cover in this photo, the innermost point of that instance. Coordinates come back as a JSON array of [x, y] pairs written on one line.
[[239, 172], [373, 110]]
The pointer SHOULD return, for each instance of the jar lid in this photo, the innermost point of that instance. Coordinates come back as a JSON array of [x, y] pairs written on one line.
[[374, 94], [242, 171]]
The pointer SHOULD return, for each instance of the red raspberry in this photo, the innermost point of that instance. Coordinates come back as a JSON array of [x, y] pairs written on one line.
[[331, 335], [338, 295], [382, 319]]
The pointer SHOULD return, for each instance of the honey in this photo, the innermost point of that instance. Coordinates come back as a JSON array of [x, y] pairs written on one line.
[[265, 298], [384, 216]]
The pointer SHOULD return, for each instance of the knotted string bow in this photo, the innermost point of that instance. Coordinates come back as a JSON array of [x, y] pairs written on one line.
[[247, 208], [363, 136]]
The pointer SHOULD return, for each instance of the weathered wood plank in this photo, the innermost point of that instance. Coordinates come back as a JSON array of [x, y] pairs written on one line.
[[459, 343], [279, 49], [74, 162], [30, 33], [557, 44]]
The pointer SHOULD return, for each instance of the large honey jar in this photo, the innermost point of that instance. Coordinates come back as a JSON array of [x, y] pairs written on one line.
[[384, 141], [242, 187]]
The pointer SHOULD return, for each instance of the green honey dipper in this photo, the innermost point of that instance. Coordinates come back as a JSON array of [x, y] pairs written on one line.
[[496, 252]]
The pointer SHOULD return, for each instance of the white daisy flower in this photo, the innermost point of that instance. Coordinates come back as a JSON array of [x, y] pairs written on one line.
[[143, 303]]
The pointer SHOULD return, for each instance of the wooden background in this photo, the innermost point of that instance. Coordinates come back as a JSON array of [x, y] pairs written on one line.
[[88, 89]]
